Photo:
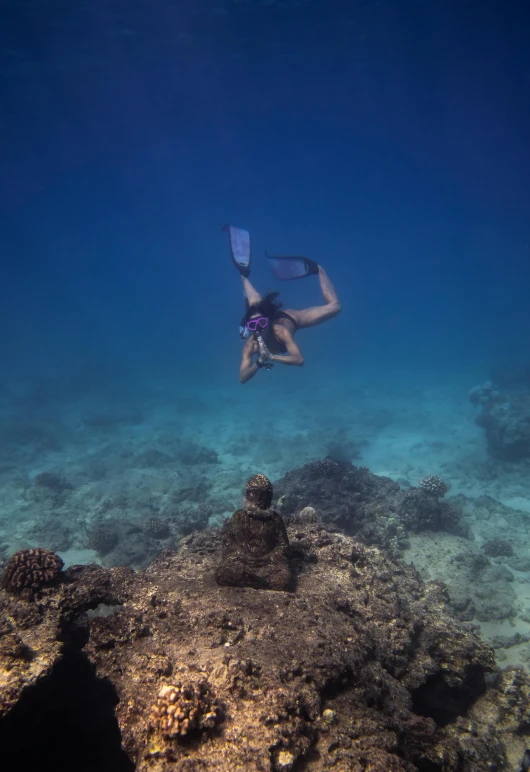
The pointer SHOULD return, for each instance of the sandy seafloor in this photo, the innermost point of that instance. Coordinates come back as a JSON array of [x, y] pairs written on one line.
[[124, 459]]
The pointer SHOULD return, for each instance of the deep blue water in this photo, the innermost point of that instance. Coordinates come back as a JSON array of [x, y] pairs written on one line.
[[387, 140]]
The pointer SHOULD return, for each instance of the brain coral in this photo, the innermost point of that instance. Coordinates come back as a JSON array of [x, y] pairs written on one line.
[[27, 571], [183, 708]]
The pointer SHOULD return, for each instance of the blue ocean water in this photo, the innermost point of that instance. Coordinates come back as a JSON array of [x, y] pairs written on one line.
[[389, 141], [386, 140]]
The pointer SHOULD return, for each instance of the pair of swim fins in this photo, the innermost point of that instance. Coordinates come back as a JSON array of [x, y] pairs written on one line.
[[284, 268]]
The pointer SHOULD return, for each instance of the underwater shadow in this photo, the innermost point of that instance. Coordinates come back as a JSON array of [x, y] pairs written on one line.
[[438, 700], [65, 722]]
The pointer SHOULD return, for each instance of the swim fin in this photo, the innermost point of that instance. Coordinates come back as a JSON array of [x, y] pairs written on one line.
[[240, 248], [287, 268]]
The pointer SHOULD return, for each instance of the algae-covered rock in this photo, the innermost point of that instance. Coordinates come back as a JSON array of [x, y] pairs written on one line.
[[361, 667]]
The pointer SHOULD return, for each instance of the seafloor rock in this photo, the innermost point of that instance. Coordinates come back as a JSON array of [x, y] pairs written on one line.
[[506, 421], [360, 669], [52, 482], [477, 589], [49, 490], [497, 547], [373, 508]]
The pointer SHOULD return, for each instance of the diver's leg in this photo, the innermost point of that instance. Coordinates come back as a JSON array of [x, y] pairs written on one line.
[[251, 294], [309, 317]]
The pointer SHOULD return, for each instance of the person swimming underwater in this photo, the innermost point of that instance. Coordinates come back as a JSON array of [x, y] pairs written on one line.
[[267, 329]]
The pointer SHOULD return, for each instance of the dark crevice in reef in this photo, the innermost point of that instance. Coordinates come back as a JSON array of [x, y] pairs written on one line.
[[338, 685], [443, 703], [424, 765], [65, 722]]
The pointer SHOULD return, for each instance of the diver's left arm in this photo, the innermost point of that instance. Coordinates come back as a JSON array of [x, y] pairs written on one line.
[[293, 356], [248, 368]]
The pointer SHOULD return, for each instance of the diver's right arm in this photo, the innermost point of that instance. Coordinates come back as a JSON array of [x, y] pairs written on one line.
[[248, 368]]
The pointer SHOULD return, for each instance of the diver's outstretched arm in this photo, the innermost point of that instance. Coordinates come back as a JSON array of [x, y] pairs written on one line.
[[248, 368], [294, 355]]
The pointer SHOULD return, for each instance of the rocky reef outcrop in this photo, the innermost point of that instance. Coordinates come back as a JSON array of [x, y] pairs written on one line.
[[359, 668], [373, 508], [505, 419]]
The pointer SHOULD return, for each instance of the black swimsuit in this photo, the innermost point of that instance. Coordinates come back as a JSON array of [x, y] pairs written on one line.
[[276, 346], [285, 315]]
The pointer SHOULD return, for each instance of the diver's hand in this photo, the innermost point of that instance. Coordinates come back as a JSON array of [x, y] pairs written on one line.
[[266, 364], [264, 353]]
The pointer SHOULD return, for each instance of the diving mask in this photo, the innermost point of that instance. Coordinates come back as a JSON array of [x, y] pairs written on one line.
[[254, 325]]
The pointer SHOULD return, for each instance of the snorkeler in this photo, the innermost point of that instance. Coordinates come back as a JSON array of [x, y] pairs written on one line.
[[267, 329]]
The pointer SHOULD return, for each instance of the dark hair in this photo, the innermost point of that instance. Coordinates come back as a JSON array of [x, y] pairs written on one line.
[[267, 306]]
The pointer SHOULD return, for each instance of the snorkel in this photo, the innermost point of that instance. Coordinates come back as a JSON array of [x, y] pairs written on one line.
[[254, 327]]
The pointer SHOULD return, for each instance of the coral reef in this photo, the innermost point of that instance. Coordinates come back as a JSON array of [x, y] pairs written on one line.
[[421, 510], [189, 519], [255, 545], [29, 570], [307, 515], [486, 394], [434, 486], [102, 539], [361, 668], [497, 547], [373, 508], [505, 419], [157, 528], [184, 708], [50, 489]]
